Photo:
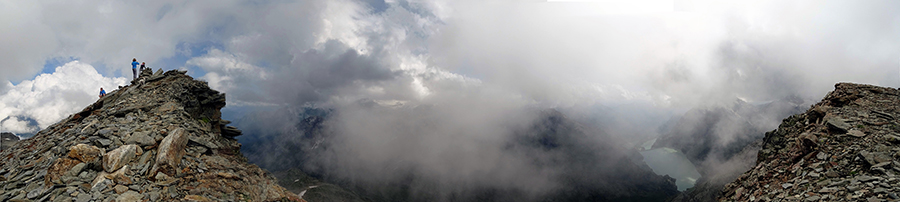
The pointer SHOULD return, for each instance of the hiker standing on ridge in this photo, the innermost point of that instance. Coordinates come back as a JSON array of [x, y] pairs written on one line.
[[102, 92], [134, 64], [143, 65]]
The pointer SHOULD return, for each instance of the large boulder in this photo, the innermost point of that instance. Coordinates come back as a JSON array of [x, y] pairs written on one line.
[[85, 153], [171, 149], [118, 157]]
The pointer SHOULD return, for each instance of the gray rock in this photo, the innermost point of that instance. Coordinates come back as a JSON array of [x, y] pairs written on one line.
[[812, 198], [40, 191], [231, 131], [838, 123], [76, 169], [120, 189], [102, 184], [828, 190], [821, 156], [868, 157], [117, 158], [154, 195], [104, 142], [786, 185], [105, 131], [814, 175], [83, 198], [129, 196], [856, 133], [882, 164], [140, 138]]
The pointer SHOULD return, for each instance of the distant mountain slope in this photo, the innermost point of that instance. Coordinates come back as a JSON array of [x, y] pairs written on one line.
[[719, 141], [587, 165], [7, 140]]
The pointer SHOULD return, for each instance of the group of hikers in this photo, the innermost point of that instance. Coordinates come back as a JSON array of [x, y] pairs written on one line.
[[134, 71]]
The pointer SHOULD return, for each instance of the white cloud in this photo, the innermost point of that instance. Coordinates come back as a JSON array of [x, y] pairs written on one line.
[[225, 72], [50, 97], [25, 40]]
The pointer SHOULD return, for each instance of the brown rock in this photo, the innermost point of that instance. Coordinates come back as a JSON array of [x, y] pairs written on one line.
[[58, 169], [196, 198], [171, 149], [120, 176], [85, 153], [809, 139]]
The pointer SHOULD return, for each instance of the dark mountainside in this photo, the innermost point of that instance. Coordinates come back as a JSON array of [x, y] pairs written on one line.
[[845, 148], [593, 170], [589, 170], [722, 142], [159, 139], [7, 140]]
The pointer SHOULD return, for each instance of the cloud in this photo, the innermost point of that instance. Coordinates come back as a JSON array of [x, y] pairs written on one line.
[[37, 103], [26, 41]]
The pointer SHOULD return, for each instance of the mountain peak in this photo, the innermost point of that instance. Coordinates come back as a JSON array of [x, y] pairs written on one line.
[[159, 139]]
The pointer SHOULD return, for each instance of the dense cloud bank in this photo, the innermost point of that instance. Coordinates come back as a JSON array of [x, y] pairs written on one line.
[[34, 104]]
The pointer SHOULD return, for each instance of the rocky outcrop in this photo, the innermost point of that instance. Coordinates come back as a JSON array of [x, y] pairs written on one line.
[[159, 139], [845, 148], [7, 140]]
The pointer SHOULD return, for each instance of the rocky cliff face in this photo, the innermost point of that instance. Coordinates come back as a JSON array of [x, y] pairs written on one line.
[[845, 148], [159, 139]]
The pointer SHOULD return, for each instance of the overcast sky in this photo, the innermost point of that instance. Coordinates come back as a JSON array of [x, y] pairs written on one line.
[[559, 53], [477, 66]]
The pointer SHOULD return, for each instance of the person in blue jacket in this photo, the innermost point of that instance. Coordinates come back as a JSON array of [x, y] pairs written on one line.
[[134, 64], [102, 92]]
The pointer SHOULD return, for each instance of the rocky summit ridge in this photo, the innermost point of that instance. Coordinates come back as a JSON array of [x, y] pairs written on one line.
[[159, 139], [844, 148]]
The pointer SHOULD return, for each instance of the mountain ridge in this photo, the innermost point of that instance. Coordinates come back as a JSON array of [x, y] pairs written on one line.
[[159, 139], [844, 148]]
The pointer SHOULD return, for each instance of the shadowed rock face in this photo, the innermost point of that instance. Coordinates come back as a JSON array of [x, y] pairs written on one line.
[[159, 139], [845, 148]]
